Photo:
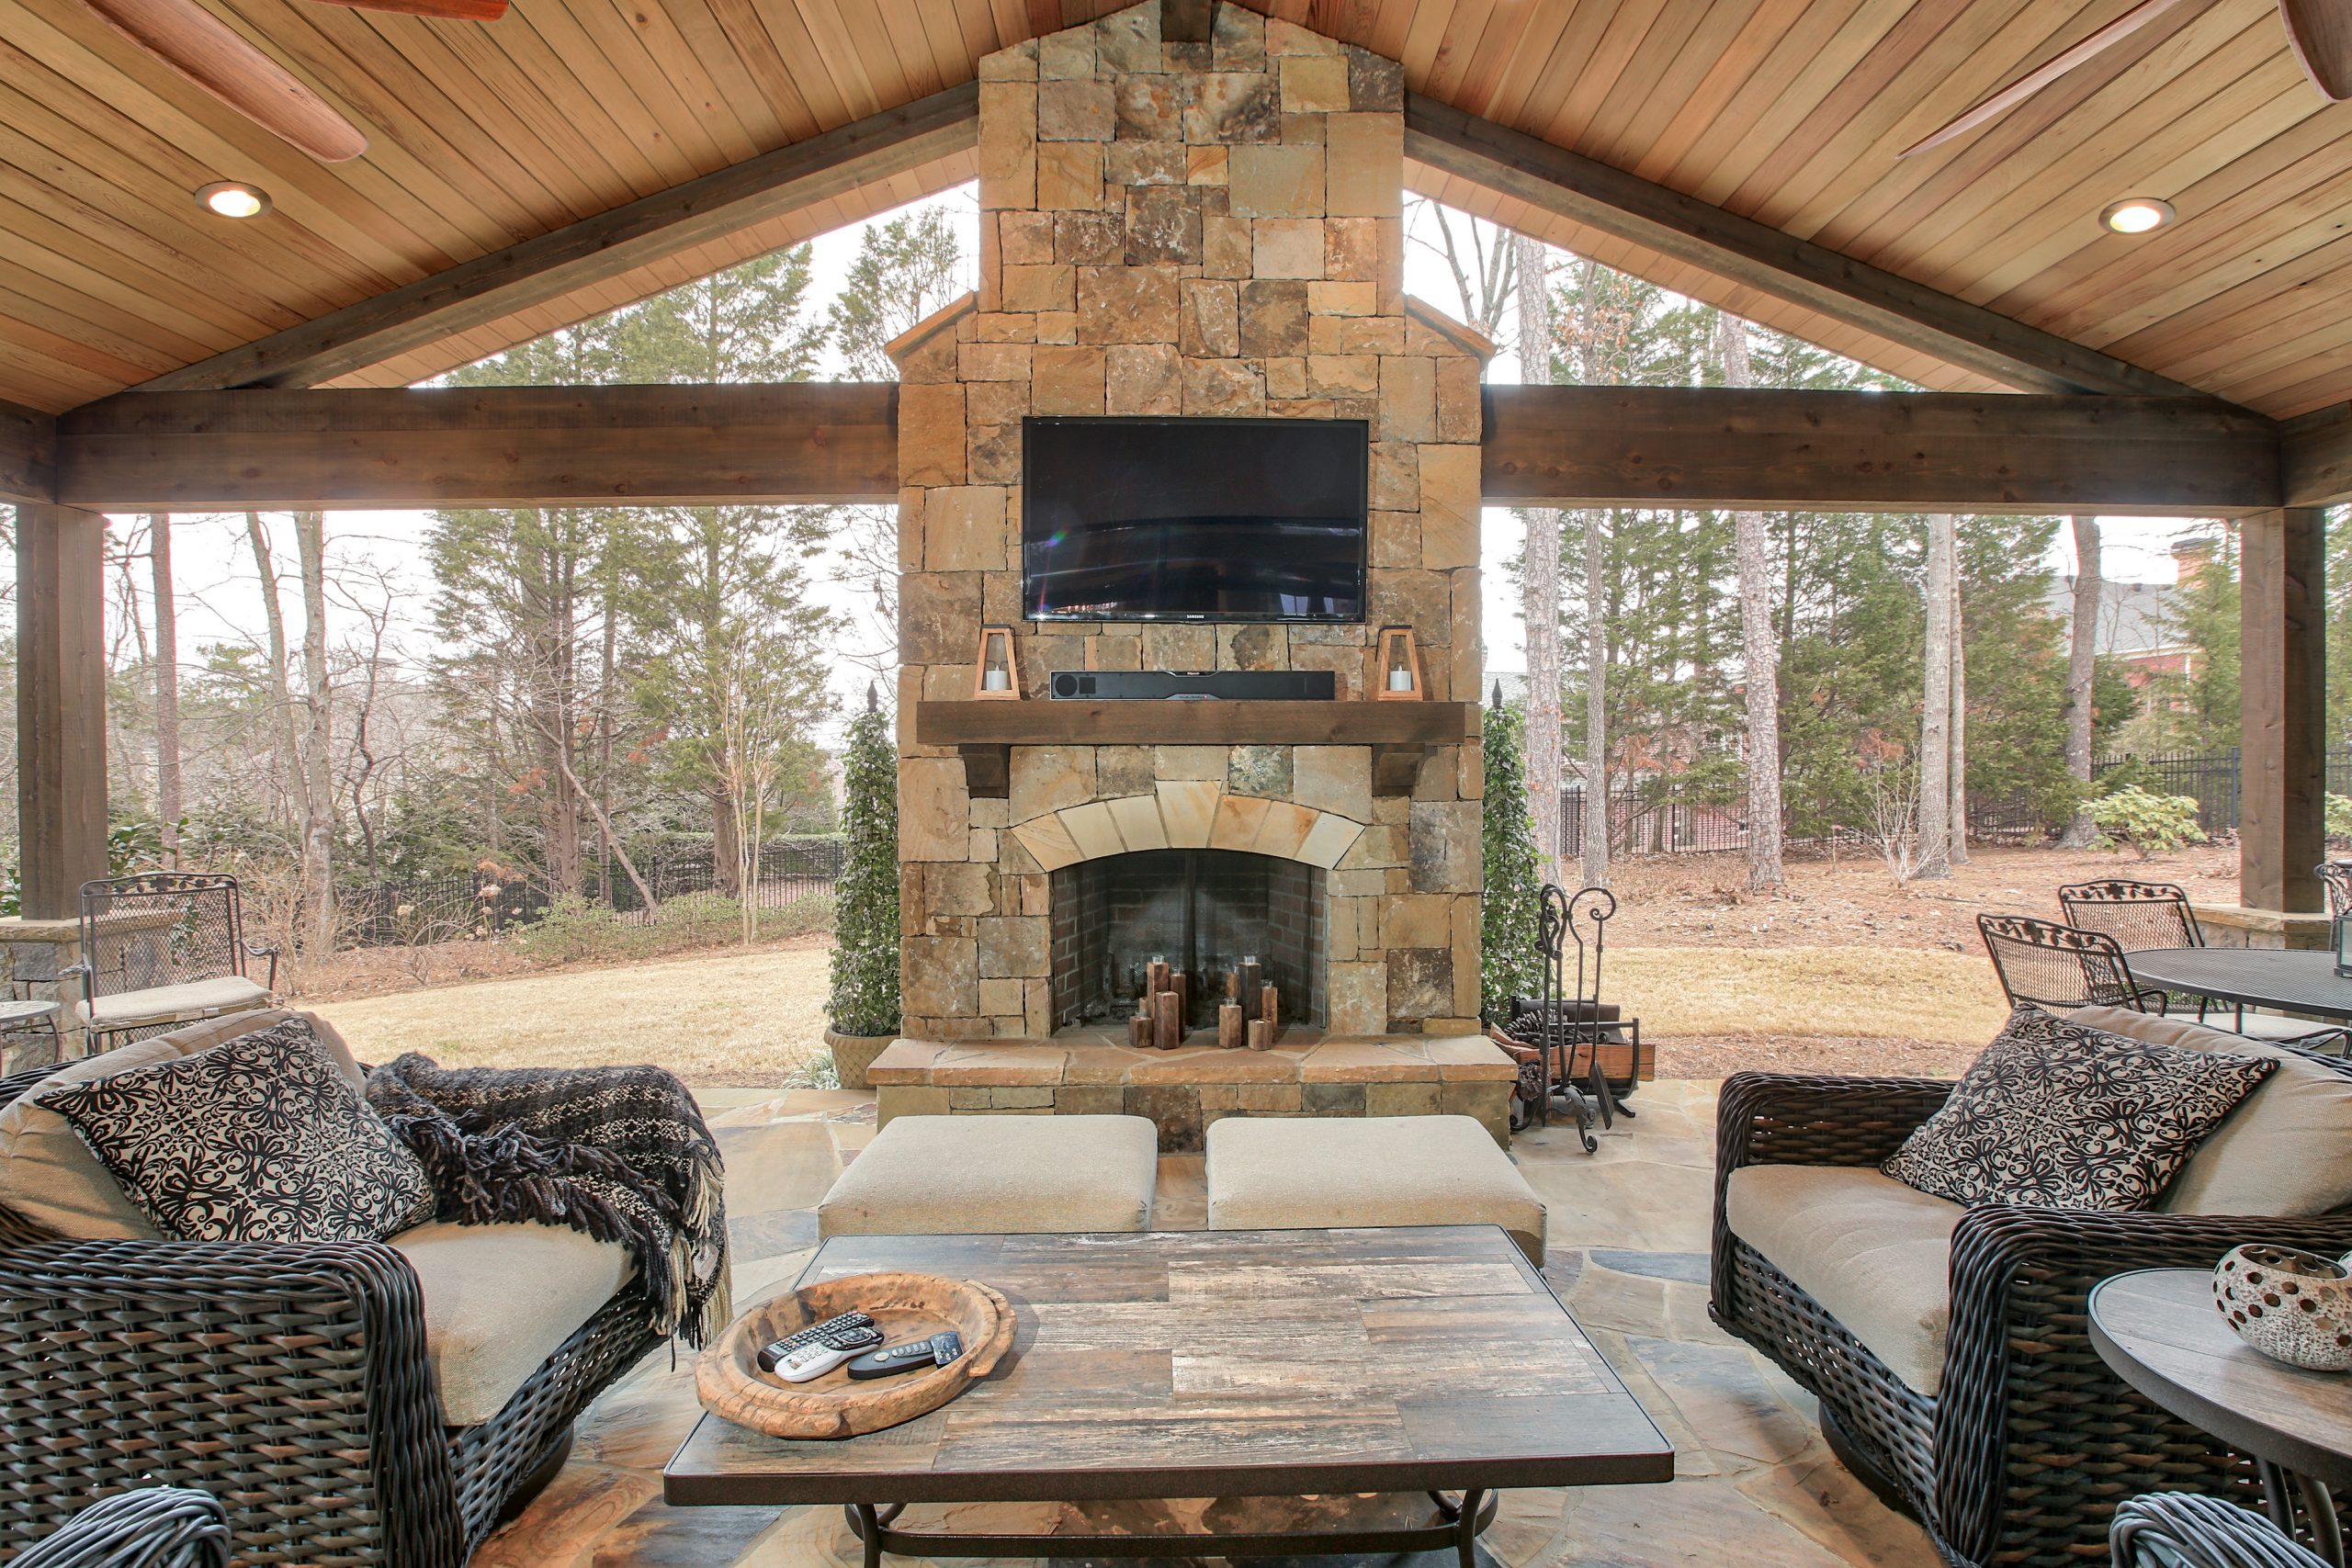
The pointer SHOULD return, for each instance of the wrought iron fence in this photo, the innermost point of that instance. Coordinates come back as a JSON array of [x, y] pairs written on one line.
[[2212, 777], [389, 914]]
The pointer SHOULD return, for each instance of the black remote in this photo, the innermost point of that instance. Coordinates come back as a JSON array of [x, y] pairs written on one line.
[[914, 1354], [778, 1350]]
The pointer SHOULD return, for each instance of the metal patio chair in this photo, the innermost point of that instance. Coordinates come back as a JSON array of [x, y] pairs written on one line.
[[2144, 914], [166, 948], [2335, 875], [2059, 967]]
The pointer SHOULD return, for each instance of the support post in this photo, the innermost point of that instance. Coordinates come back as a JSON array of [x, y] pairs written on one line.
[[2283, 675], [61, 706]]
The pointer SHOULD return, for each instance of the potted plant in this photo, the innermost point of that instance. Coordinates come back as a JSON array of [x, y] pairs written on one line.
[[864, 1005]]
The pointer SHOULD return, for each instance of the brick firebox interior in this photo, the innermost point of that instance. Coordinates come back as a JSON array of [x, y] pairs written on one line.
[[1187, 228]]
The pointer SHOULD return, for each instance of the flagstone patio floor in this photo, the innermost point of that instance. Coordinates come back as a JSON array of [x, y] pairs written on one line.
[[1628, 1253]]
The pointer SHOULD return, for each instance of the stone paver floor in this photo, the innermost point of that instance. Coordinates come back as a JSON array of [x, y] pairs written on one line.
[[1754, 1484]]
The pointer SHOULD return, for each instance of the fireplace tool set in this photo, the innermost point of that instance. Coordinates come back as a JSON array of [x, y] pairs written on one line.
[[1249, 1015], [1568, 1024]]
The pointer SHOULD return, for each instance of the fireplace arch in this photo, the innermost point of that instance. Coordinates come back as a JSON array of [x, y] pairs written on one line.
[[1205, 911]]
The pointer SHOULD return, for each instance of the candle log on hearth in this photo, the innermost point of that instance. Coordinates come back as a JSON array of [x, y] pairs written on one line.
[[1270, 1008], [1140, 1029], [1253, 976], [1231, 1027], [1167, 1020], [1261, 1034]]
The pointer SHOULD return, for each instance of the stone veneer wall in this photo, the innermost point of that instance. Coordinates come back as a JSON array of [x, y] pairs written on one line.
[[1211, 229]]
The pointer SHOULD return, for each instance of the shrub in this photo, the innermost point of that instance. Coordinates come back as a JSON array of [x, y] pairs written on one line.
[[2339, 819], [573, 930], [2155, 824], [865, 999], [1511, 922]]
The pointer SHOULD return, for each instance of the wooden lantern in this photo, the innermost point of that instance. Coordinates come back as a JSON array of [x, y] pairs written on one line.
[[1399, 678], [994, 676]]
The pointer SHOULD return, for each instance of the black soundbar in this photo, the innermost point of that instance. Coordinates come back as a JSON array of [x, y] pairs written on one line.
[[1196, 685]]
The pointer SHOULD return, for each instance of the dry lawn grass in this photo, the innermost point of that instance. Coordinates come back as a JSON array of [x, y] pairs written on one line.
[[719, 1017], [1848, 993]]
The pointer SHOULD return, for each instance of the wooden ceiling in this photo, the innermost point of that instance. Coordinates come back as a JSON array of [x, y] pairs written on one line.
[[1787, 111]]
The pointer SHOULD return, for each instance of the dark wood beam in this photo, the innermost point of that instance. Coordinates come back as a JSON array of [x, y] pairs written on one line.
[[61, 706], [27, 455], [1586, 191], [2282, 637], [2315, 457], [794, 442], [1875, 451], [647, 229]]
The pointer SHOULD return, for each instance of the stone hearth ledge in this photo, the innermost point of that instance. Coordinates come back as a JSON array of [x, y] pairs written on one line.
[[1185, 1090]]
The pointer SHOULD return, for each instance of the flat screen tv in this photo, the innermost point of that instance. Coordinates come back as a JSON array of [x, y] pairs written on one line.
[[1193, 519]]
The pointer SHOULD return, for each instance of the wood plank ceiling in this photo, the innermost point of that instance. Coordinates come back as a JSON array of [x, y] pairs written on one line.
[[1787, 111]]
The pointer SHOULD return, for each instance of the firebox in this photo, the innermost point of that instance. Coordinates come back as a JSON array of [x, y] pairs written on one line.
[[1202, 911]]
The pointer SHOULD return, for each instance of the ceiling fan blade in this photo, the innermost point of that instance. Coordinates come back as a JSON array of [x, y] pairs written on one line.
[[2321, 32], [2042, 75], [456, 10], [214, 56]]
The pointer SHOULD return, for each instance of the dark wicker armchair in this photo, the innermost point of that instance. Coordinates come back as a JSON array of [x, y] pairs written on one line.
[[2031, 1443], [288, 1380], [161, 1527], [2181, 1529]]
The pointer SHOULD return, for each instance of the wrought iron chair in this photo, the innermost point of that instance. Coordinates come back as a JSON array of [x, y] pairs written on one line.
[[1569, 1024], [161, 949], [2059, 967], [157, 1526], [2335, 875], [2189, 1529], [2144, 914]]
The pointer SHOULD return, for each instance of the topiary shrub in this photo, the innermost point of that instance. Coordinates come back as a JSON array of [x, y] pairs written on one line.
[[2151, 824], [1511, 922], [865, 999]]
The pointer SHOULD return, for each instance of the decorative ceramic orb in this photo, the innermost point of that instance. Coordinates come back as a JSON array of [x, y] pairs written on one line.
[[2292, 1306]]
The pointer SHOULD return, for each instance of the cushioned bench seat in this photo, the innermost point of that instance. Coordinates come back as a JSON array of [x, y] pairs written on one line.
[[998, 1175], [1285, 1173]]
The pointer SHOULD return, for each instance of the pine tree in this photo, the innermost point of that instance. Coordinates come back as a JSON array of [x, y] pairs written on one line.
[[1510, 920], [866, 926]]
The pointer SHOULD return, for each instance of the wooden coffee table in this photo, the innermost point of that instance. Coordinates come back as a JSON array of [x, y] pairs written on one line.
[[1221, 1364]]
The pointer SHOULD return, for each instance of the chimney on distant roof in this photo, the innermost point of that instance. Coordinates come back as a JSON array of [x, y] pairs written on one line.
[[2190, 557]]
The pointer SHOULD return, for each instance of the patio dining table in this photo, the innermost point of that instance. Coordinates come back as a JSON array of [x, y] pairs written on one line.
[[2290, 981]]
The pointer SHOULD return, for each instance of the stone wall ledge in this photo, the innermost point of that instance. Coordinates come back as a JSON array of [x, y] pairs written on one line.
[[1386, 1059]]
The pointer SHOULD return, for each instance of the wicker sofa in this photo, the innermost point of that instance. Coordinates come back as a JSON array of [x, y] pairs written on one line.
[[303, 1386], [1983, 1411]]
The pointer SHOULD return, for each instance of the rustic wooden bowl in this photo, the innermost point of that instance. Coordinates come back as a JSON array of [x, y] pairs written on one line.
[[904, 1306]]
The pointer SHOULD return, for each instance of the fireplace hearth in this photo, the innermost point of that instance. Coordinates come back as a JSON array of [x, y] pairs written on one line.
[[1202, 911]]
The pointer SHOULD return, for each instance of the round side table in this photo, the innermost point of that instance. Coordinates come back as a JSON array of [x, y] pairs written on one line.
[[2156, 1329], [20, 1015]]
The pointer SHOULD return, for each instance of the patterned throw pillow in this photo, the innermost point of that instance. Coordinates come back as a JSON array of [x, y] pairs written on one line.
[[259, 1139], [2058, 1115]]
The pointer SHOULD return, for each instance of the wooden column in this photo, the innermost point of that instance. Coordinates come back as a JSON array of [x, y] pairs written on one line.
[[61, 704], [2283, 675]]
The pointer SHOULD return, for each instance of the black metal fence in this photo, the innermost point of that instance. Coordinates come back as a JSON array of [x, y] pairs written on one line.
[[1663, 816], [441, 909]]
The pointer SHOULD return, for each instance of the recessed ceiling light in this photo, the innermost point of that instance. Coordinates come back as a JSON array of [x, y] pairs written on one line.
[[233, 198], [2137, 215]]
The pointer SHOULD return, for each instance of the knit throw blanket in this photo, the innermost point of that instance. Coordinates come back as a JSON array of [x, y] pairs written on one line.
[[619, 1153]]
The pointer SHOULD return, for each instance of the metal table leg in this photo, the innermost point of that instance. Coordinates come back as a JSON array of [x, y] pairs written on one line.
[[1458, 1525]]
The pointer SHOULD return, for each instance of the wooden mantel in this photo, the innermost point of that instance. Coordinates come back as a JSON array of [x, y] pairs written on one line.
[[1398, 733]]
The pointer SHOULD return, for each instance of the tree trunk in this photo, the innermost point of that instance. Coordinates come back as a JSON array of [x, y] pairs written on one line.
[[1759, 652], [1596, 701], [289, 747], [726, 841], [1959, 723], [1539, 579], [2082, 657], [318, 751], [1935, 710], [167, 686]]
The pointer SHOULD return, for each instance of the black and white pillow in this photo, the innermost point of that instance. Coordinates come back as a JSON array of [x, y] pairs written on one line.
[[2059, 1115], [261, 1138]]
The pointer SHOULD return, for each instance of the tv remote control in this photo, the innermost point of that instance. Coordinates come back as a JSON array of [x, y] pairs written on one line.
[[809, 1335], [814, 1360], [913, 1356]]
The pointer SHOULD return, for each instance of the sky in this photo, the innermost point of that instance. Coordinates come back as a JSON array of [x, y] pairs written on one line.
[[219, 596]]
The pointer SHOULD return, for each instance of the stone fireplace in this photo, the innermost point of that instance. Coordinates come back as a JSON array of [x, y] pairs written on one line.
[[1184, 226], [1206, 912]]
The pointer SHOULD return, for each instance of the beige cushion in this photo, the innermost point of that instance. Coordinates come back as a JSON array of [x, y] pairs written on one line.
[[1872, 1251], [2285, 1151], [1286, 1174], [988, 1175], [50, 1175], [190, 999], [497, 1299]]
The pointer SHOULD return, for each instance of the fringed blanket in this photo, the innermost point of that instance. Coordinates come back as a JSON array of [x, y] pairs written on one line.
[[619, 1153]]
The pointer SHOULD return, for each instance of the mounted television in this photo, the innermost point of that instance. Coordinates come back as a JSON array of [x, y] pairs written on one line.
[[1193, 519]]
